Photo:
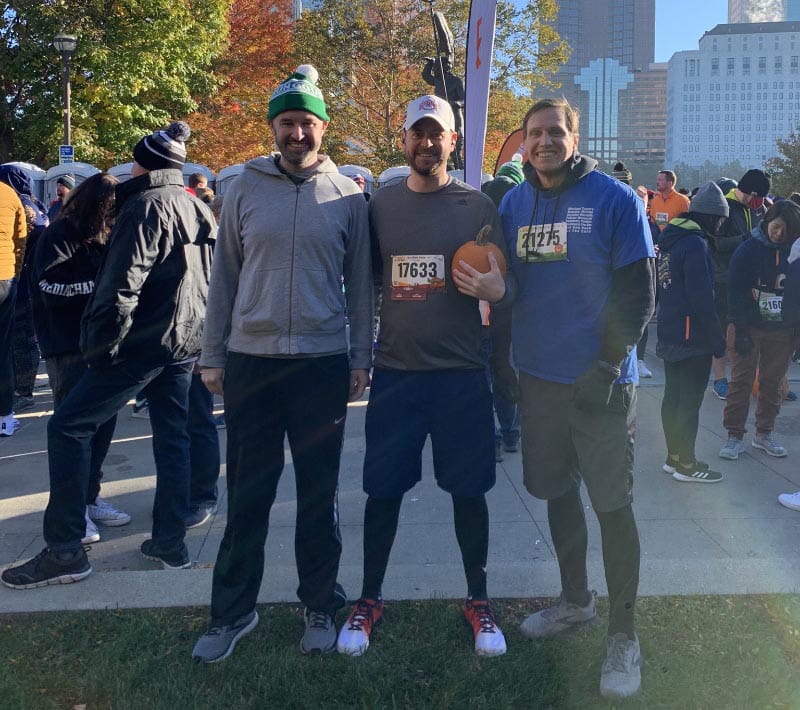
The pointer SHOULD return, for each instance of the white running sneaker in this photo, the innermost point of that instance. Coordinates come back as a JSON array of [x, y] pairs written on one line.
[[9, 425], [558, 618], [790, 500], [644, 371], [92, 533], [104, 513], [621, 674]]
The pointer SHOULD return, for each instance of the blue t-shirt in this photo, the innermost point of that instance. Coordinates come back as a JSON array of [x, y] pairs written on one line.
[[557, 324]]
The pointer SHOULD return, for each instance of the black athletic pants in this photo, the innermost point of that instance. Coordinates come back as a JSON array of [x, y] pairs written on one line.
[[267, 399], [684, 387]]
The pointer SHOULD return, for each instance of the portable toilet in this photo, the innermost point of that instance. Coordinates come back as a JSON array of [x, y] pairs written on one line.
[[226, 176], [353, 170], [192, 168], [36, 175], [80, 171], [121, 172], [459, 175], [393, 175]]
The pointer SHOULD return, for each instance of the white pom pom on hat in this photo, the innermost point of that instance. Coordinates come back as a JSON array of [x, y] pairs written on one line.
[[308, 71]]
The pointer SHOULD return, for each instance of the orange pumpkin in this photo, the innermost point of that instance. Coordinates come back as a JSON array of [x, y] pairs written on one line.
[[476, 253]]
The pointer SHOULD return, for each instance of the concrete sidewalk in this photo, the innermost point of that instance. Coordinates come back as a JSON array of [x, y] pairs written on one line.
[[728, 538]]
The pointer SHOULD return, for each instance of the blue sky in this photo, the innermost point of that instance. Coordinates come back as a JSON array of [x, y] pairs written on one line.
[[681, 23]]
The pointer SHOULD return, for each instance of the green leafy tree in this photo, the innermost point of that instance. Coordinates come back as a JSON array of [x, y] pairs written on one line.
[[370, 60], [785, 168], [138, 65]]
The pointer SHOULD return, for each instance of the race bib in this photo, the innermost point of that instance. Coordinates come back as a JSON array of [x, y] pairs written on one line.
[[770, 306], [542, 242], [414, 276], [662, 218]]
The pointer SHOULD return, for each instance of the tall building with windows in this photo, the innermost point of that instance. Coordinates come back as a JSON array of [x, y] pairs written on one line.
[[643, 122], [733, 97], [756, 11], [613, 42]]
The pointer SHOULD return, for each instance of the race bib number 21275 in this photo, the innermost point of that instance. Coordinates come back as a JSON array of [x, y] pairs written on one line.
[[542, 242]]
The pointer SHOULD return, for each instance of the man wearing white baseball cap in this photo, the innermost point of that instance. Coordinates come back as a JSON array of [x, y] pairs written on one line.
[[429, 378]]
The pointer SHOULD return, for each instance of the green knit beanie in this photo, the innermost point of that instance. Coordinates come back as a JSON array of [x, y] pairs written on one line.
[[299, 92], [512, 170]]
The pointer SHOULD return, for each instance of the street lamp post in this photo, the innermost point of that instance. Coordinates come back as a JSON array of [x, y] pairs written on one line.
[[65, 45]]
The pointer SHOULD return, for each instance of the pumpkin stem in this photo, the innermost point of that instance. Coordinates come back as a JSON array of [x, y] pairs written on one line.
[[483, 233]]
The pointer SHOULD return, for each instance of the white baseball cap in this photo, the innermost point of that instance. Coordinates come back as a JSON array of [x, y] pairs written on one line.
[[430, 106]]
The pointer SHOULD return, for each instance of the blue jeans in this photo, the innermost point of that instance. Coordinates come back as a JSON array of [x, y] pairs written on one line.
[[98, 395], [64, 372], [203, 446]]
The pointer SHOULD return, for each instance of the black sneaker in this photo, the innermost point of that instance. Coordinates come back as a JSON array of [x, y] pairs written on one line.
[[176, 557], [47, 568], [23, 402], [697, 473], [198, 516]]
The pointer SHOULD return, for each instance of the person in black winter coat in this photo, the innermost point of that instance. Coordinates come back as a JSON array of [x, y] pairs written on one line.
[[140, 330], [65, 263], [759, 338], [689, 331]]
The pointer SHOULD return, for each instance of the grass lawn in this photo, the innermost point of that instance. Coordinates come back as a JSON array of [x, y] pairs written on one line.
[[700, 652]]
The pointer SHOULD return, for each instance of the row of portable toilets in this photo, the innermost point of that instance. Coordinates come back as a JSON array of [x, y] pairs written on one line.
[[44, 181]]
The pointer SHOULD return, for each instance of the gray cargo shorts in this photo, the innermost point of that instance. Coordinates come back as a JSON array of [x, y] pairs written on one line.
[[562, 445]]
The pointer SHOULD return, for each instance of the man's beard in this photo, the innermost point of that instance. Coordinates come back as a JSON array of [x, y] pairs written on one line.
[[427, 169], [296, 152]]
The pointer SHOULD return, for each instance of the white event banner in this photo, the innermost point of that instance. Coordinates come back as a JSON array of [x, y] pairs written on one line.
[[480, 45]]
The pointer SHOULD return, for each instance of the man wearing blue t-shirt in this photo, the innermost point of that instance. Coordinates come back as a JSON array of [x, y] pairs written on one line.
[[582, 253]]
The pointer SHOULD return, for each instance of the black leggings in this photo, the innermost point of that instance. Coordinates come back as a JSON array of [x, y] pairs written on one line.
[[471, 519], [684, 388], [621, 555]]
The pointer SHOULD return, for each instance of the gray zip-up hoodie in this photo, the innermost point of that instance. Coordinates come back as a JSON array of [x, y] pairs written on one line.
[[281, 253]]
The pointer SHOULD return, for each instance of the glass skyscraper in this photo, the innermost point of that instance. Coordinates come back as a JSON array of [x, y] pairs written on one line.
[[612, 41]]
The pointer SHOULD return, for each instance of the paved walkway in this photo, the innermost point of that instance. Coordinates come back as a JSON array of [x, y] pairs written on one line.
[[728, 538]]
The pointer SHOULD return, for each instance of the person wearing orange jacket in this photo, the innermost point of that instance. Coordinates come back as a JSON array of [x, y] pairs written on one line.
[[667, 203], [13, 229]]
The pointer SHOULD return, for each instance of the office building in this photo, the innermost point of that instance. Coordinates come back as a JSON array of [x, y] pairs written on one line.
[[730, 99], [613, 42], [643, 122], [756, 11]]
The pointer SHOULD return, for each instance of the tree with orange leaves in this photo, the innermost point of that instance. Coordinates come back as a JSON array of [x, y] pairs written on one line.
[[230, 125]]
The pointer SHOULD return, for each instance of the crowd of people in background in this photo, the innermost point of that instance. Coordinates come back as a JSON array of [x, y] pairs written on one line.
[[728, 297], [114, 286]]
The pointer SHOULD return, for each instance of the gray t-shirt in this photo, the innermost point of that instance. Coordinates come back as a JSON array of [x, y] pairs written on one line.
[[426, 324]]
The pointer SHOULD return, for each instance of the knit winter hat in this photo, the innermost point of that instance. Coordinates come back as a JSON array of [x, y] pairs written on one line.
[[67, 181], [512, 170], [755, 181], [726, 184], [710, 200], [299, 92], [621, 173], [163, 149]]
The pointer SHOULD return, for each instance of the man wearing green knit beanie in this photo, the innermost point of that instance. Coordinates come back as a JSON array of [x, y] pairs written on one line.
[[276, 340], [299, 92]]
